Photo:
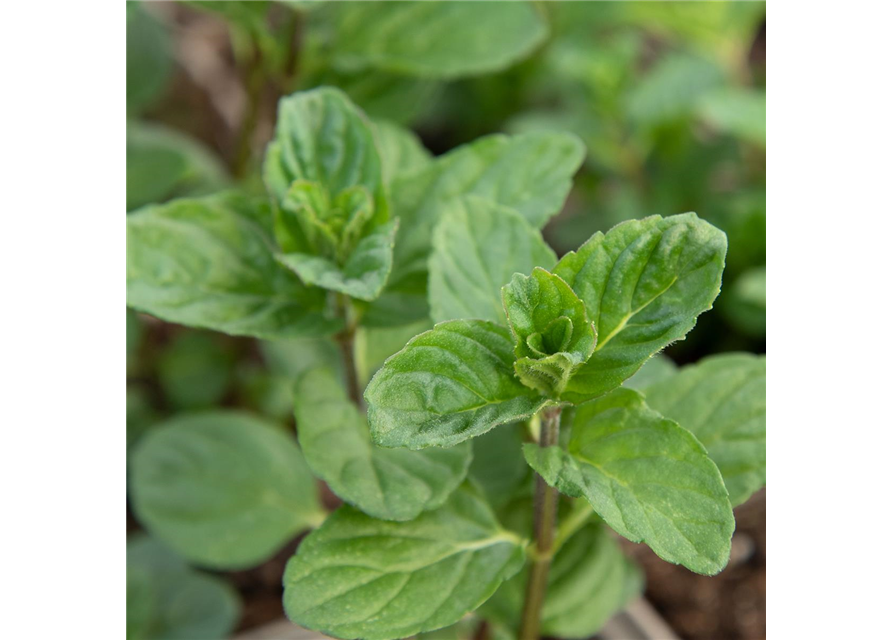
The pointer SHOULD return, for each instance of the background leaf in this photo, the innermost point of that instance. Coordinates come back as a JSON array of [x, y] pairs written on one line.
[[650, 480], [167, 600], [498, 467], [209, 263], [400, 149], [421, 38], [447, 385], [722, 400], [224, 489], [644, 285], [392, 484], [589, 581], [477, 246], [360, 577], [149, 59]]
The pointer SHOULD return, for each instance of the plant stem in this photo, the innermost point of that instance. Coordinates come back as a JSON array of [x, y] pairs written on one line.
[[545, 507], [347, 343], [253, 79]]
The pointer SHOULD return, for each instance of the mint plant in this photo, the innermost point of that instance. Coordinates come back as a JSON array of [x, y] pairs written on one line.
[[465, 499]]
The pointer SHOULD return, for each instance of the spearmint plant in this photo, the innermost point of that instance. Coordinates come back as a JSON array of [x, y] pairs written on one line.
[[487, 461]]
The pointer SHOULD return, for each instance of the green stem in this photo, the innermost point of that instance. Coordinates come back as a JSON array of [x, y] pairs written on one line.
[[572, 523], [545, 507], [347, 344]]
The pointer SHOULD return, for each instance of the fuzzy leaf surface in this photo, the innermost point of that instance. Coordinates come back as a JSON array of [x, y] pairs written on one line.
[[358, 577], [722, 400], [446, 385], [644, 283], [391, 484], [222, 488], [647, 477], [477, 246], [209, 263]]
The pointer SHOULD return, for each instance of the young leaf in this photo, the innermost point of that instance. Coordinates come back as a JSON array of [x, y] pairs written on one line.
[[435, 39], [499, 168], [400, 149], [589, 581], [447, 385], [364, 273], [650, 480], [477, 246], [224, 489], [168, 599], [321, 137], [209, 263], [553, 335], [392, 484], [644, 284], [722, 400], [358, 577]]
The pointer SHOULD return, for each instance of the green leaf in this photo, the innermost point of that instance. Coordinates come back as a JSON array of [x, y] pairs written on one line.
[[738, 111], [658, 368], [392, 484], [644, 283], [358, 577], [167, 600], [447, 385], [373, 346], [435, 39], [497, 466], [553, 335], [589, 581], [498, 168], [209, 263], [363, 275], [400, 149], [149, 59], [163, 163], [477, 246], [649, 478], [321, 137], [195, 371], [224, 489], [672, 88], [722, 400]]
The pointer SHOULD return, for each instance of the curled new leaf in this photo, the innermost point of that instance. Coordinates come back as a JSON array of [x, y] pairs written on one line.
[[722, 400], [649, 478], [392, 484], [553, 335], [358, 577], [644, 283], [448, 384]]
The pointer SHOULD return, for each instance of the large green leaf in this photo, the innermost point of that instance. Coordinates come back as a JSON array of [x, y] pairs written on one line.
[[400, 149], [209, 263], [553, 334], [224, 489], [392, 484], [499, 168], [167, 600], [362, 276], [322, 138], [722, 400], [435, 39], [589, 581], [649, 478], [644, 283], [163, 163], [447, 385], [477, 246], [358, 577]]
